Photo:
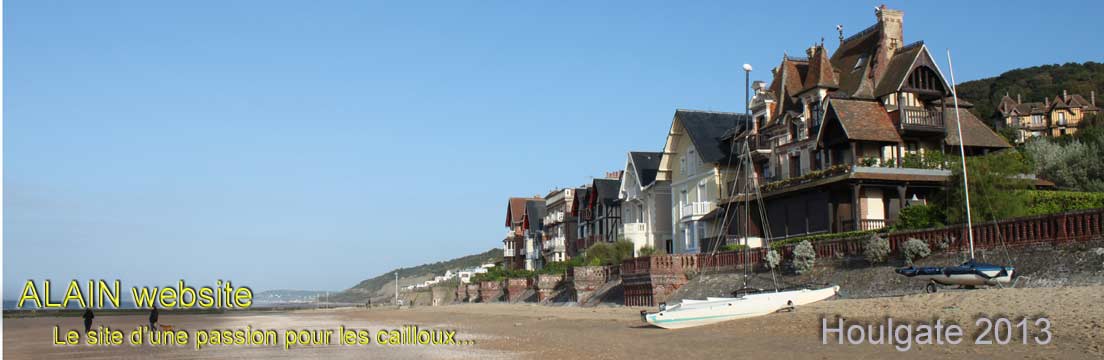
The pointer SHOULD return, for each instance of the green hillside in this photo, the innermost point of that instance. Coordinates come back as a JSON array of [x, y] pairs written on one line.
[[382, 287], [1033, 84]]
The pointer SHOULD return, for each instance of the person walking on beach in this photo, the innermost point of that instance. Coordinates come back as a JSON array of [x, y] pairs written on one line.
[[153, 317], [88, 315]]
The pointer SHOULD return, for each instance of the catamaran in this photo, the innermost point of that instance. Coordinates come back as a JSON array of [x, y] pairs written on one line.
[[689, 313], [748, 302], [972, 272]]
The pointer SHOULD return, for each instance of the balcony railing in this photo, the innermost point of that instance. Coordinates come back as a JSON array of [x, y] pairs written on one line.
[[508, 251], [872, 224], [635, 228], [922, 118], [696, 209], [555, 244]]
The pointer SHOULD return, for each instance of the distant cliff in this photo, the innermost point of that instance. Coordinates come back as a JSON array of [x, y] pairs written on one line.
[[1033, 84], [382, 288]]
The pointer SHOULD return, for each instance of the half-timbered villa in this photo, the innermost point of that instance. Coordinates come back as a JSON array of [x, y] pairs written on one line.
[[844, 142]]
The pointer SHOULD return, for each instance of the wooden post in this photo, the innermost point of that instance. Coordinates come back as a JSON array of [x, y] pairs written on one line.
[[855, 211]]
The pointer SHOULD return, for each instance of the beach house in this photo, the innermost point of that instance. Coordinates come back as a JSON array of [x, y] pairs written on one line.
[[693, 162], [532, 230], [599, 211], [513, 245], [559, 222], [1062, 115], [645, 203], [844, 142]]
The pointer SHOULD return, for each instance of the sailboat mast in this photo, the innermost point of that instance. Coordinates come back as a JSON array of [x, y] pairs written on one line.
[[962, 153]]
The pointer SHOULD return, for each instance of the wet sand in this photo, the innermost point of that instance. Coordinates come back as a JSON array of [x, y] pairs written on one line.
[[534, 331]]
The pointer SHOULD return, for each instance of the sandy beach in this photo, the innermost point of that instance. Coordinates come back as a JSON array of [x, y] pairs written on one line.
[[535, 331]]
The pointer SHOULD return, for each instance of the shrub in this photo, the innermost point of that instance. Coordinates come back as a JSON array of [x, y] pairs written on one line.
[[646, 251], [804, 257], [773, 259], [555, 268], [915, 249], [945, 243], [919, 217], [876, 249], [609, 253], [497, 273]]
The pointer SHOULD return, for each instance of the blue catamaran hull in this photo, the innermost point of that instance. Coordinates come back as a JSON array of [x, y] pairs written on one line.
[[970, 273]]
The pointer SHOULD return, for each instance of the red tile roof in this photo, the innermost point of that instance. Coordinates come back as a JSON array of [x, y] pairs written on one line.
[[864, 120]]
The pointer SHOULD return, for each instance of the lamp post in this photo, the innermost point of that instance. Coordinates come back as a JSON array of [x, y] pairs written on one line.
[[747, 89]]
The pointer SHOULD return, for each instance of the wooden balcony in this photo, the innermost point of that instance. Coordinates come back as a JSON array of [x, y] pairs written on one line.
[[918, 119]]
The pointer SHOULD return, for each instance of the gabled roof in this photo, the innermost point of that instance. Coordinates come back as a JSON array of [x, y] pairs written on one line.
[[821, 74], [1076, 100], [646, 166], [515, 209], [976, 133], [1058, 103], [534, 211], [853, 58], [899, 68], [581, 195], [706, 128], [863, 120], [1007, 105], [606, 190]]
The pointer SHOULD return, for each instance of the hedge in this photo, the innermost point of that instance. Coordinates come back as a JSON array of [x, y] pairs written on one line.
[[1043, 202], [820, 237]]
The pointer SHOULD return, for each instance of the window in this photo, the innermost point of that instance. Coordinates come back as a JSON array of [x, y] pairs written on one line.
[[859, 63], [795, 166], [1037, 120], [1061, 118], [816, 112], [912, 147]]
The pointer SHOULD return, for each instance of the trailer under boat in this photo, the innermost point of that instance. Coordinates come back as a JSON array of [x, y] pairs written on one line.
[[970, 273], [690, 313]]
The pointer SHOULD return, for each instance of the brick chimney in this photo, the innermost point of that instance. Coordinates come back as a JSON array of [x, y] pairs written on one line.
[[890, 22], [614, 175]]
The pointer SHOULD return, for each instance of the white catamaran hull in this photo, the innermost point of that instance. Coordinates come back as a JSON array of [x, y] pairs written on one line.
[[690, 313]]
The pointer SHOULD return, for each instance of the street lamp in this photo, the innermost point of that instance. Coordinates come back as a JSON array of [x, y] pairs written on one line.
[[747, 89]]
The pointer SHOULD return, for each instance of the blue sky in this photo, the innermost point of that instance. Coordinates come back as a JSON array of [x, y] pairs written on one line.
[[284, 146]]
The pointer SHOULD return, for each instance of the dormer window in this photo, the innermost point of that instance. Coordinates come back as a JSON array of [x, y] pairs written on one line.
[[859, 63]]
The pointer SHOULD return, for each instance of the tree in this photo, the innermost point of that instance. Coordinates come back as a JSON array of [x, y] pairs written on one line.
[[995, 182], [919, 216], [1076, 163]]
